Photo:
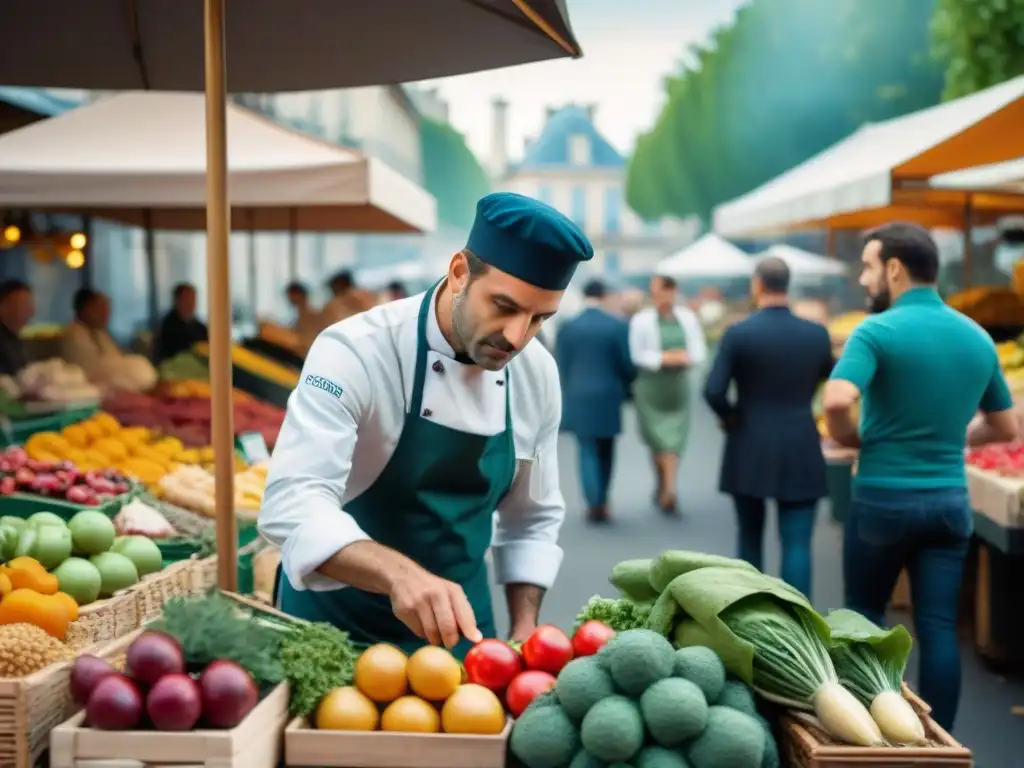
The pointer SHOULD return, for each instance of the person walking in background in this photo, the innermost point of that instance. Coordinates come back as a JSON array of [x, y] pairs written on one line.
[[347, 299], [86, 341], [309, 321], [595, 369], [665, 340], [17, 306], [777, 361], [180, 328], [922, 371]]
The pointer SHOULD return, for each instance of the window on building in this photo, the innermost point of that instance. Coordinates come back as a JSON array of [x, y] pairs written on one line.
[[544, 194], [579, 206], [612, 266], [612, 210], [579, 149]]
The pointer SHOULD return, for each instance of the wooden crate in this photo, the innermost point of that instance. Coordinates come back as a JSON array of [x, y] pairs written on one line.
[[306, 747], [31, 706], [803, 746], [255, 743]]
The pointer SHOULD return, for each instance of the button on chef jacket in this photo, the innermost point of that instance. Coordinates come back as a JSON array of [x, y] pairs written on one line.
[[346, 417]]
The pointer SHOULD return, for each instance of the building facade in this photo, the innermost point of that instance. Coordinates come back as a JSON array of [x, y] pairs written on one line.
[[572, 167]]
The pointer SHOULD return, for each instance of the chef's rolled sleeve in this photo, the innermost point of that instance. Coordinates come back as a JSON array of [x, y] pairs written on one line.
[[525, 547], [302, 506]]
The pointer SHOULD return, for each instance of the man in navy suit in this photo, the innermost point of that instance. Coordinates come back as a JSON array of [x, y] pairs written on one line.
[[772, 450], [592, 351]]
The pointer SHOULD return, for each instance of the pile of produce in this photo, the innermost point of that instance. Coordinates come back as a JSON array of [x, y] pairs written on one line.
[[51, 381], [83, 558], [989, 306], [158, 691], [183, 367], [258, 365], [1004, 459], [137, 518], [189, 418], [57, 479], [640, 702], [129, 373], [421, 693], [193, 488], [768, 635]]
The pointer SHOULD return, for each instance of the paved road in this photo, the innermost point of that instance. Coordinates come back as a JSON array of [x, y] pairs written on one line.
[[985, 723]]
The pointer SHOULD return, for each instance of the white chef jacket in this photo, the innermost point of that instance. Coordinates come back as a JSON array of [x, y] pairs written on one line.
[[645, 340], [346, 415]]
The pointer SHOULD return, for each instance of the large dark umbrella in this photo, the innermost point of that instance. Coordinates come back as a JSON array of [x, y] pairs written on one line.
[[269, 45]]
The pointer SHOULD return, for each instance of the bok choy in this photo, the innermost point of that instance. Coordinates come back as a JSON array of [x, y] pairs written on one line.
[[768, 635], [870, 662]]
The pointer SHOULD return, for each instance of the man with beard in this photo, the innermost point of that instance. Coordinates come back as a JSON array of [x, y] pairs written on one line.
[[922, 371], [413, 423]]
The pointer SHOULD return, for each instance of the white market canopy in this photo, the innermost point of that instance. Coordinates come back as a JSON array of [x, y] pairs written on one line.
[[709, 257], [1005, 177], [873, 170], [804, 264], [140, 158]]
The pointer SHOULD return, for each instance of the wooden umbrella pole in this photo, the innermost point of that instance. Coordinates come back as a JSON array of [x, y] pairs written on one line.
[[218, 228]]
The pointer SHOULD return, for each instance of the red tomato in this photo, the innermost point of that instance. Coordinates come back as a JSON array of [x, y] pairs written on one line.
[[547, 649], [492, 664], [525, 688], [590, 637]]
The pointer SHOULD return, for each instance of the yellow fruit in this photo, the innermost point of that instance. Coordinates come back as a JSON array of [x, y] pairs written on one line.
[[380, 673], [94, 430], [188, 456], [46, 444], [473, 709], [106, 423], [112, 448], [206, 455], [433, 673], [77, 435], [169, 446], [347, 709], [410, 714], [77, 456]]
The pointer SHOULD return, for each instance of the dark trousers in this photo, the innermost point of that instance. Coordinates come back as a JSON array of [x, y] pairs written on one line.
[[928, 533], [796, 529], [597, 457]]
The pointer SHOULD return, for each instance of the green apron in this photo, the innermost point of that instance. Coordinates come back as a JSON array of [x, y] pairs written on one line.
[[434, 502], [662, 397]]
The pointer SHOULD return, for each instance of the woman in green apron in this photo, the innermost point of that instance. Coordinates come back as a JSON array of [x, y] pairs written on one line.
[[665, 341]]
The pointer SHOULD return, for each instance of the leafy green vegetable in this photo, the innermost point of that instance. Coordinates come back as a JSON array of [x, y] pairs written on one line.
[[631, 578], [675, 562], [317, 658], [867, 658], [620, 615]]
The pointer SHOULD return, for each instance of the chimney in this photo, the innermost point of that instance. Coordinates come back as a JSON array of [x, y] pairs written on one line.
[[591, 111], [499, 137]]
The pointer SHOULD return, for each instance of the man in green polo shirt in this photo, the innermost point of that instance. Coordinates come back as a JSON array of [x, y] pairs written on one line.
[[922, 371]]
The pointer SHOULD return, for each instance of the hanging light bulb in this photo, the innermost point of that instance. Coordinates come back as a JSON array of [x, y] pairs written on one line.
[[12, 235], [78, 241], [75, 259]]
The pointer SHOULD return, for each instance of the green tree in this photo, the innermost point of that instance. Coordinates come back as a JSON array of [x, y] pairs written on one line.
[[785, 80], [451, 173], [981, 41]]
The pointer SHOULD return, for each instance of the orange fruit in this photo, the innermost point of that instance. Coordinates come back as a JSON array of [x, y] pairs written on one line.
[[347, 709], [410, 714], [380, 673], [69, 604], [433, 673], [473, 709]]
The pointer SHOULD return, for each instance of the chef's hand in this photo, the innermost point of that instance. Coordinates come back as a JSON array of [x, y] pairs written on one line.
[[435, 609]]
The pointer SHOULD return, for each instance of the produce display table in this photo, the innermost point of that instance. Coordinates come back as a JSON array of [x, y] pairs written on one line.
[[17, 431], [999, 529]]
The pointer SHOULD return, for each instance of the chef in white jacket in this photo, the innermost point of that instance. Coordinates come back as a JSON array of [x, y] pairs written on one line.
[[412, 425]]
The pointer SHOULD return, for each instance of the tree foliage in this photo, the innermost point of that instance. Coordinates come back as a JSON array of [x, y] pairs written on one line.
[[785, 80], [451, 173], [982, 42]]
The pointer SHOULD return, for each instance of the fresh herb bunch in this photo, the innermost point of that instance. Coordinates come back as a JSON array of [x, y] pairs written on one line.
[[620, 615], [211, 627], [316, 658]]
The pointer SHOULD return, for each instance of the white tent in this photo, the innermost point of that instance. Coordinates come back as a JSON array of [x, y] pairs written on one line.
[[1005, 177], [140, 158], [860, 172], [804, 264], [709, 257]]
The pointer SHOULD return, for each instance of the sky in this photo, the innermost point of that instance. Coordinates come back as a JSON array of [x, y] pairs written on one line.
[[629, 46]]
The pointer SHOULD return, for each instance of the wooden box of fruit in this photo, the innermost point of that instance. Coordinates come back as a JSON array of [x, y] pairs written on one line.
[[32, 704], [803, 746], [158, 712], [403, 712]]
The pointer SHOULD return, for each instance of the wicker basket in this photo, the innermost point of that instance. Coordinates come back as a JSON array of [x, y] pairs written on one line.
[[152, 592], [803, 746], [30, 707]]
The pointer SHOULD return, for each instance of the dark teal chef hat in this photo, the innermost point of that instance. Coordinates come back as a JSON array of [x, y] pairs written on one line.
[[528, 239]]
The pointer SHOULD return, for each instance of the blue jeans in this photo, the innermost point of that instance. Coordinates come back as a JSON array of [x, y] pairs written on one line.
[[597, 455], [796, 529], [928, 533]]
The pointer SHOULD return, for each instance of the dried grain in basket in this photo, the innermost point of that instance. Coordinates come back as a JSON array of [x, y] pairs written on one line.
[[803, 746], [31, 706], [105, 620]]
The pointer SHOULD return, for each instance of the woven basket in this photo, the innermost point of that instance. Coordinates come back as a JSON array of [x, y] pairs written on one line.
[[152, 592], [30, 707]]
